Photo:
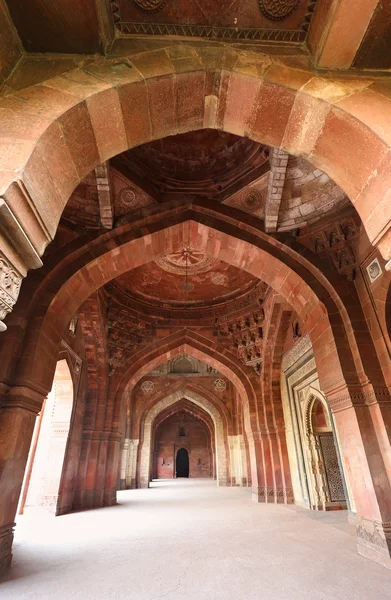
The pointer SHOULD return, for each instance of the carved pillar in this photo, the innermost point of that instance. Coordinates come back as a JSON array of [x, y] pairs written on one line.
[[319, 483], [18, 413], [368, 474], [243, 457], [124, 463], [98, 469], [256, 445], [131, 472]]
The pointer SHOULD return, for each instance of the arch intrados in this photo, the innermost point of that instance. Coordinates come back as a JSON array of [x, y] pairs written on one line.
[[313, 396], [189, 407], [92, 97], [190, 343]]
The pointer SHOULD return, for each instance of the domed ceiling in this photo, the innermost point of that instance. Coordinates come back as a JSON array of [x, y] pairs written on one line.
[[286, 192], [208, 162], [187, 278]]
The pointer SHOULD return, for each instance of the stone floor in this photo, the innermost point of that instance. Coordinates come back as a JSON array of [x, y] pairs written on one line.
[[188, 539]]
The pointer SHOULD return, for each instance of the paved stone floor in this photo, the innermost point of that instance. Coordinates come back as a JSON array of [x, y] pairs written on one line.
[[188, 539]]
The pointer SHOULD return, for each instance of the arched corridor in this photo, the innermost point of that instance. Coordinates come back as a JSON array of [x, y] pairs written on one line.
[[191, 538], [195, 276]]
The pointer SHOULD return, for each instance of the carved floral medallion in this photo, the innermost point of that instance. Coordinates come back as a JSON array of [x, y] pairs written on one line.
[[277, 10]]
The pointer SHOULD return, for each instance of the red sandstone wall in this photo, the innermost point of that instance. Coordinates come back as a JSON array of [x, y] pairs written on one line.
[[197, 441]]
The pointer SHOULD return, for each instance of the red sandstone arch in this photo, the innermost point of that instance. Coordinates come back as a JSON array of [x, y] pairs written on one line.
[[167, 401], [136, 429], [44, 335], [194, 344], [67, 125], [195, 411]]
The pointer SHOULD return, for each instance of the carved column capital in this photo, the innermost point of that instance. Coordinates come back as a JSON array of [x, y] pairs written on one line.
[[10, 282]]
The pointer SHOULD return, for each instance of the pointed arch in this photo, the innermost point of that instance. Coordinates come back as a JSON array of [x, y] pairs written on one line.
[[145, 450]]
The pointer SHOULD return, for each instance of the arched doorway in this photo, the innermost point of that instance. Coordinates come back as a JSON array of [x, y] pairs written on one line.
[[325, 476], [182, 463], [46, 459]]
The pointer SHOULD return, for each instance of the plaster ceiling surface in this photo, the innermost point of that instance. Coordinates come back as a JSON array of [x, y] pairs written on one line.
[[163, 281]]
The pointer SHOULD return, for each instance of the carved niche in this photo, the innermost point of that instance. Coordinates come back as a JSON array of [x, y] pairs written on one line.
[[335, 241], [10, 282], [125, 333], [246, 336]]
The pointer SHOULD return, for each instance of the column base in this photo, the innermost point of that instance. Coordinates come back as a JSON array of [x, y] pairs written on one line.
[[374, 541], [6, 539], [271, 495]]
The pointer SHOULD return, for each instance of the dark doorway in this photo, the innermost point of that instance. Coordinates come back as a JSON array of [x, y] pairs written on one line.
[[182, 463]]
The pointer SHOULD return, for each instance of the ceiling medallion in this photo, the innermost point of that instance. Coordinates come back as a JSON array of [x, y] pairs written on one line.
[[277, 10], [253, 199], [187, 259], [127, 195], [150, 6]]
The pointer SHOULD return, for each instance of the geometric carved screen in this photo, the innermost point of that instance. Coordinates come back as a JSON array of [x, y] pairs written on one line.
[[331, 465]]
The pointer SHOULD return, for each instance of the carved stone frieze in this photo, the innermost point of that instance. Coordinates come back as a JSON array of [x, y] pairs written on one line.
[[10, 282], [298, 350]]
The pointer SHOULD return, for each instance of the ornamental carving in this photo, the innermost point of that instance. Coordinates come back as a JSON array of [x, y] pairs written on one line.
[[125, 334], [10, 282], [335, 242], [245, 334], [197, 262], [374, 270], [147, 387], [128, 196], [253, 199], [220, 385], [151, 6], [277, 10]]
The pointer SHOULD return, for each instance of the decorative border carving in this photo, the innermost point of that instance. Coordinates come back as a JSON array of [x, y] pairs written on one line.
[[215, 33], [295, 353]]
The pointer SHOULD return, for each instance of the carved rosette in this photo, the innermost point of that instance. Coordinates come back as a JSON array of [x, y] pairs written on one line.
[[151, 6], [277, 10], [10, 282]]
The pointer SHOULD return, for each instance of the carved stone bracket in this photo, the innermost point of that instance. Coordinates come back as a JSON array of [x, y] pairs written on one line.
[[335, 242], [10, 282]]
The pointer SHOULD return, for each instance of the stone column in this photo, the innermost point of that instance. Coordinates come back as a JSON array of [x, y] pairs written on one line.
[[124, 463], [366, 469], [258, 475], [131, 471], [18, 413]]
